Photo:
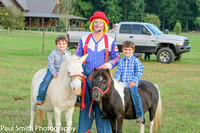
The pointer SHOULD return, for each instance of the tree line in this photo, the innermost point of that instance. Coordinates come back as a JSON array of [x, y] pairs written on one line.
[[163, 13], [169, 12]]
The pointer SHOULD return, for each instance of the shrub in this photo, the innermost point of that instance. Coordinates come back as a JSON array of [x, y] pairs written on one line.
[[34, 28], [177, 28]]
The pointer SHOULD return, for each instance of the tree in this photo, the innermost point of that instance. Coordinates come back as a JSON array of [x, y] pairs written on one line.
[[184, 11], [67, 4], [153, 19], [61, 24], [133, 10], [113, 10], [177, 28], [197, 23], [82, 8], [11, 17], [169, 12], [153, 6], [198, 4]]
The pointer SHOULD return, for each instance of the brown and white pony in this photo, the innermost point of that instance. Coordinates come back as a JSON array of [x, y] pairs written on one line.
[[115, 100]]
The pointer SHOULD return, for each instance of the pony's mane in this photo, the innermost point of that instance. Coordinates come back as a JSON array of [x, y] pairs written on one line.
[[64, 65], [74, 58], [105, 73]]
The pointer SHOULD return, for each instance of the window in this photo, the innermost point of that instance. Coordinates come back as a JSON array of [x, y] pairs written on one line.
[[137, 29], [125, 28], [154, 29]]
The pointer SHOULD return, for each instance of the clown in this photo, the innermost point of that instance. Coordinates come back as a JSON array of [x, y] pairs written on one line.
[[99, 47]]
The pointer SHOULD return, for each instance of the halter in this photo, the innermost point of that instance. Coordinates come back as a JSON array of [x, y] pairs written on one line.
[[102, 92], [78, 76]]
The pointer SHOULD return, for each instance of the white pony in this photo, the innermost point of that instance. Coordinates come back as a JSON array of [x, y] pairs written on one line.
[[61, 93]]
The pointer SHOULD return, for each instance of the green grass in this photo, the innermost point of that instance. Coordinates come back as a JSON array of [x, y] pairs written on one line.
[[179, 83]]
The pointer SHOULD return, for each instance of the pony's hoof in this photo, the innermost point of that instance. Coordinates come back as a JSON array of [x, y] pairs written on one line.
[[103, 116], [39, 103], [77, 104]]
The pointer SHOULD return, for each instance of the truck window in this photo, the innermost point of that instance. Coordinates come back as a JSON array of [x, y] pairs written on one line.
[[125, 28], [137, 29]]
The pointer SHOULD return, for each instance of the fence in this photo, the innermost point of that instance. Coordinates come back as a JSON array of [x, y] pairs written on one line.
[[28, 42]]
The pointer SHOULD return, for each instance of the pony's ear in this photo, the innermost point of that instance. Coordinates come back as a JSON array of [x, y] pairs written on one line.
[[107, 70], [90, 78], [83, 58], [67, 57]]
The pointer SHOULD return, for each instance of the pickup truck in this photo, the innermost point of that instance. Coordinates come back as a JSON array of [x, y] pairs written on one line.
[[147, 39]]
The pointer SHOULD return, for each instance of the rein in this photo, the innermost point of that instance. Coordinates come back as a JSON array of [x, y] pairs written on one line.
[[102, 92], [81, 77]]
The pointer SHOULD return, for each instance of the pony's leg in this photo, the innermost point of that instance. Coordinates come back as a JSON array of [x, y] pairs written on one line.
[[151, 126], [33, 112], [142, 125], [49, 117], [113, 124], [142, 128], [119, 124], [68, 118], [57, 114]]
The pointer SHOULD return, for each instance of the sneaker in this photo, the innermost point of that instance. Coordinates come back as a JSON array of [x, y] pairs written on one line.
[[140, 119], [39, 103], [77, 104]]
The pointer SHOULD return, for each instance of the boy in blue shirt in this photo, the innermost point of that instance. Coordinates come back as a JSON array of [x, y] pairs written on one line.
[[55, 60], [129, 71]]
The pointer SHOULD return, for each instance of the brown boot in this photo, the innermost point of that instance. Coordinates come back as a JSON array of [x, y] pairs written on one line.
[[77, 104], [104, 115], [39, 103], [140, 119]]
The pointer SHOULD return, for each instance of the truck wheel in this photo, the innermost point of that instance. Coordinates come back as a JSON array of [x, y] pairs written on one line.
[[178, 57], [165, 55]]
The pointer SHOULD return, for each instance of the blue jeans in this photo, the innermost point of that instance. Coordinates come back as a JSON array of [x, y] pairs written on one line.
[[85, 123], [137, 102], [44, 85], [147, 56]]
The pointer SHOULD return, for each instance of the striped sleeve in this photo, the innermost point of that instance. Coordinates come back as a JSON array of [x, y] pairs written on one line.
[[79, 51], [115, 56]]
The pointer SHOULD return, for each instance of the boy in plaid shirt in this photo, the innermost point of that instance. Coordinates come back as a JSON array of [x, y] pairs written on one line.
[[129, 71]]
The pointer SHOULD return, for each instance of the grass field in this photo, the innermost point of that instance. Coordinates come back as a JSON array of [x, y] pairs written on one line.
[[21, 56]]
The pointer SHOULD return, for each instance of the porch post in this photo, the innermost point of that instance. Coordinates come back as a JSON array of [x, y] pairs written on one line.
[[30, 23], [42, 23]]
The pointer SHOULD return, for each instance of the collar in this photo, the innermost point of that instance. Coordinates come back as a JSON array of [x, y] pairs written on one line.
[[58, 51], [129, 58], [99, 39]]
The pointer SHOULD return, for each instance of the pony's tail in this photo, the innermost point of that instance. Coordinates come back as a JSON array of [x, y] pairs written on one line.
[[158, 115], [40, 116]]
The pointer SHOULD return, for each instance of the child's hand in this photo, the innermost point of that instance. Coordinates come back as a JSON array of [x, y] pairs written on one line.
[[131, 84], [55, 76], [102, 67]]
